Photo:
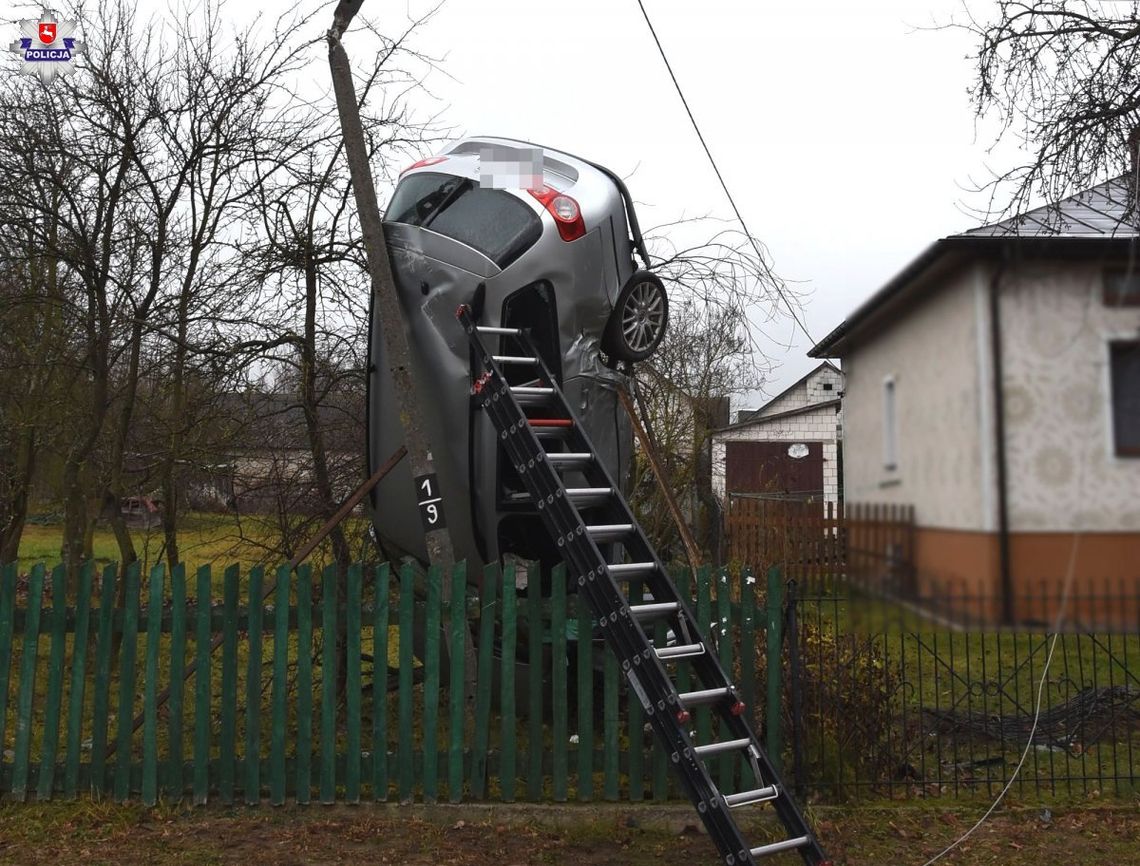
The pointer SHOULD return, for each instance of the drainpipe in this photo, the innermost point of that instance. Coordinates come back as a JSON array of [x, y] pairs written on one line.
[[1000, 444]]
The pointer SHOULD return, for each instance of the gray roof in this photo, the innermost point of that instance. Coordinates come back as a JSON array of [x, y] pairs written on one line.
[[776, 416], [1101, 211], [1096, 222]]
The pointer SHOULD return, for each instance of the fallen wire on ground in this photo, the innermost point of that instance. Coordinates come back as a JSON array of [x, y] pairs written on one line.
[[1073, 726]]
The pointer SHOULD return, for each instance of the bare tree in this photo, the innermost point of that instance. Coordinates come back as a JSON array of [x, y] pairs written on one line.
[[1062, 80], [725, 302]]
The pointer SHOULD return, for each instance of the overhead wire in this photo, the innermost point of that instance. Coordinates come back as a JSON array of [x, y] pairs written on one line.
[[1071, 570], [723, 185], [1070, 574]]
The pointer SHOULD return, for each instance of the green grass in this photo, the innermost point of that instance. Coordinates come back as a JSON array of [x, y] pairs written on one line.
[[203, 538]]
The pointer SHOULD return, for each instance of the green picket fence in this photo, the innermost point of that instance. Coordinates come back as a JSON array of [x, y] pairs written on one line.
[[291, 687]]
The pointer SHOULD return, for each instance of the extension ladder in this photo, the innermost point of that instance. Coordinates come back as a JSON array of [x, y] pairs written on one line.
[[614, 529]]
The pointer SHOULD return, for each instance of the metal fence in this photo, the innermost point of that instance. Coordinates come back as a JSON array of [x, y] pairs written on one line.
[[922, 701], [337, 688]]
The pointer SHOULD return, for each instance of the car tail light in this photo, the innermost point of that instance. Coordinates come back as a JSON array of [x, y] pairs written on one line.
[[567, 215], [431, 160]]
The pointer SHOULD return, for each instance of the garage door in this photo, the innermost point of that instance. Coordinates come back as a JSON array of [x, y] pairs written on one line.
[[769, 467]]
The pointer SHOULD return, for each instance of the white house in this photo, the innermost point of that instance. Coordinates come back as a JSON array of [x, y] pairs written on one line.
[[789, 447], [994, 384]]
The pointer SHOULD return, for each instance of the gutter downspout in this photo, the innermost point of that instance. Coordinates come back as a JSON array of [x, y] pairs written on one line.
[[999, 442]]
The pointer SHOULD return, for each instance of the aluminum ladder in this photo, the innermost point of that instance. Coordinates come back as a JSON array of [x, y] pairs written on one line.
[[613, 529]]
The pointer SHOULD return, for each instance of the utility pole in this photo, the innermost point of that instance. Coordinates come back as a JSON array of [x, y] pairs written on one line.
[[386, 301]]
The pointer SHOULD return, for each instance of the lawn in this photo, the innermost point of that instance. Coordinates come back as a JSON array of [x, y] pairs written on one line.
[[511, 836], [204, 539]]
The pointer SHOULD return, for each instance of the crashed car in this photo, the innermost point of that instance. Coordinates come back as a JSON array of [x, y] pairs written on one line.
[[530, 237]]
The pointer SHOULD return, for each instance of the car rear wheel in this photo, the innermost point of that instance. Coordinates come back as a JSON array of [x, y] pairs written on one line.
[[640, 317]]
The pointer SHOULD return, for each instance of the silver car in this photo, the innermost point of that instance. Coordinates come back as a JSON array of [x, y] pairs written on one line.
[[546, 243]]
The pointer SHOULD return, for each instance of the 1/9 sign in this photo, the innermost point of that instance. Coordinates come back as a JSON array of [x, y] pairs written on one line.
[[430, 502]]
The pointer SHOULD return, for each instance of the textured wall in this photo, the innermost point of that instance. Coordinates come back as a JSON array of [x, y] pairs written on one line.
[[807, 393], [933, 354], [1062, 468]]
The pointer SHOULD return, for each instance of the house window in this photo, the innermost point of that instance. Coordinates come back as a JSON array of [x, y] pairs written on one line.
[[1122, 287], [1124, 363], [890, 425], [828, 386]]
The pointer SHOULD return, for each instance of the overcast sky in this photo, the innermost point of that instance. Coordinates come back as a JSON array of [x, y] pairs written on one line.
[[843, 129]]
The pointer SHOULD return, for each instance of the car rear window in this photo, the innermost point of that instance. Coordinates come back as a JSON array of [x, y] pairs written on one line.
[[490, 220]]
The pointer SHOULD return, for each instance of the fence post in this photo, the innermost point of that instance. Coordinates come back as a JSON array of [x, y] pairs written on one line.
[[796, 688], [774, 606]]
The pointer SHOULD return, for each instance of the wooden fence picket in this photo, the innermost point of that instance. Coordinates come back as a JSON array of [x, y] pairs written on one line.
[[202, 682], [558, 684], [352, 681], [24, 703], [304, 684], [252, 752], [457, 619], [433, 615], [381, 589], [279, 695], [175, 786], [228, 709], [155, 593], [489, 748], [328, 684], [53, 700], [488, 610], [508, 766], [404, 777], [78, 684], [585, 703], [7, 639], [535, 663]]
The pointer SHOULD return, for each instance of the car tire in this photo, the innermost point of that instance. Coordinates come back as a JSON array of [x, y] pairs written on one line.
[[639, 320]]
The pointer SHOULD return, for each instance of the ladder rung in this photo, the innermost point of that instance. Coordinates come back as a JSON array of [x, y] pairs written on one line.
[[550, 422], [609, 531], [566, 459], [528, 396], [626, 570], [747, 798], [777, 847], [589, 495], [722, 746], [504, 332], [648, 611], [704, 696], [680, 651], [549, 431], [513, 359]]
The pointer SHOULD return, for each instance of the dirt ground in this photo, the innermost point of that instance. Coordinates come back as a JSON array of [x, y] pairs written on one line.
[[513, 836]]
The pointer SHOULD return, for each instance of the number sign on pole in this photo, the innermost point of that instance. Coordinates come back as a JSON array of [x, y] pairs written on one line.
[[430, 502]]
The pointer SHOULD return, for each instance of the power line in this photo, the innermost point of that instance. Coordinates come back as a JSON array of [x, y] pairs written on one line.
[[739, 218]]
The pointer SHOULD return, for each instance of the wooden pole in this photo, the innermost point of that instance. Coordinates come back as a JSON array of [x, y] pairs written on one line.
[[691, 550]]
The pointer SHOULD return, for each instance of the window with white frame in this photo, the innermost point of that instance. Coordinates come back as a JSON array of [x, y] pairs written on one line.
[[890, 425]]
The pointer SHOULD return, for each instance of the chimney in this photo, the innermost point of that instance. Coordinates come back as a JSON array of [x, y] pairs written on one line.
[[1134, 175]]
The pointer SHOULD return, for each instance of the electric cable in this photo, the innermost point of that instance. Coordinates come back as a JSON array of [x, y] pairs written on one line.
[[732, 202], [1064, 601]]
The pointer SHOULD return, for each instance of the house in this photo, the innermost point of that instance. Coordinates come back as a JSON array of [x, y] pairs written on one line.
[[994, 384], [789, 447]]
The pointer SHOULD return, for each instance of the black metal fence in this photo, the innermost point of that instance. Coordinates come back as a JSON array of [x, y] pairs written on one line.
[[900, 699]]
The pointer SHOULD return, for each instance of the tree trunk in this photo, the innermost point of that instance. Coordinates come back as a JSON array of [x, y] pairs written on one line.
[[17, 506]]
